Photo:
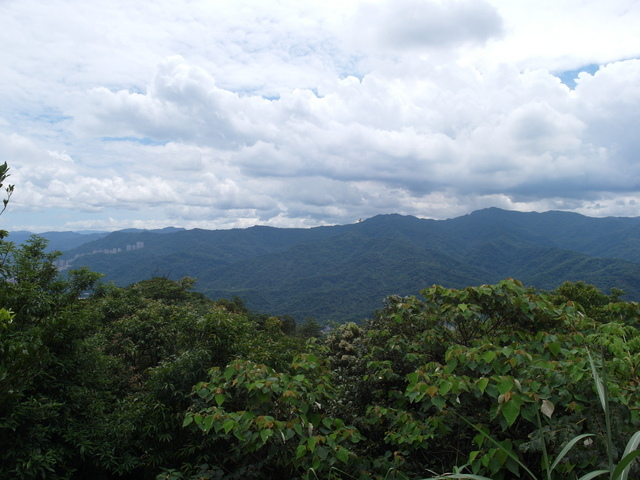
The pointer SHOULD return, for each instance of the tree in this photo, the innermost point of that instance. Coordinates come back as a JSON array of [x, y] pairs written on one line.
[[53, 385], [310, 328], [4, 173]]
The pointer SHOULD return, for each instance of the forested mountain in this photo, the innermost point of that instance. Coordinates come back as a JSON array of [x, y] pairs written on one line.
[[340, 273], [59, 240]]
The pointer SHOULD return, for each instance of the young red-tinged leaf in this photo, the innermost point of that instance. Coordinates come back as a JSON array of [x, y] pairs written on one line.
[[432, 391]]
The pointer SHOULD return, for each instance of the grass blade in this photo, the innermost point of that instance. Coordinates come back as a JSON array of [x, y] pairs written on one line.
[[632, 446], [568, 447], [594, 474], [622, 469], [598, 381], [470, 476]]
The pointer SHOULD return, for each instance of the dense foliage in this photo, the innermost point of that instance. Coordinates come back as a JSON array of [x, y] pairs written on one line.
[[155, 381]]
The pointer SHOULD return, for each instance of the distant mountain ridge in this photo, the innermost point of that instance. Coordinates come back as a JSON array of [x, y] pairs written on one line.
[[343, 272]]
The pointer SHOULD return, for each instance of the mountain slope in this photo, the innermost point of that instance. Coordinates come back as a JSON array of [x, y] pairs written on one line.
[[343, 272]]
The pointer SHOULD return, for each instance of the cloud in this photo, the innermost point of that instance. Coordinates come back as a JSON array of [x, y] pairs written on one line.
[[461, 131], [218, 114], [425, 24]]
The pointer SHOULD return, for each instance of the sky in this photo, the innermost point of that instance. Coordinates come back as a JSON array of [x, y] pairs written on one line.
[[226, 114]]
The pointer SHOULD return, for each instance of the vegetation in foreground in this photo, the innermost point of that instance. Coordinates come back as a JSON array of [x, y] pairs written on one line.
[[156, 381]]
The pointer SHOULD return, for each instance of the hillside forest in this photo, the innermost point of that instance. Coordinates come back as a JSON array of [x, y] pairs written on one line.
[[157, 381], [340, 273]]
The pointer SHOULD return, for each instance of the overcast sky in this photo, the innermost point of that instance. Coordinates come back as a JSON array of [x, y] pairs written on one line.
[[220, 114]]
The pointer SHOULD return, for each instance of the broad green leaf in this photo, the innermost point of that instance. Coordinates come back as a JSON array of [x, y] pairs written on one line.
[[229, 425], [311, 443], [489, 356], [445, 387], [554, 348], [343, 454], [220, 398], [505, 385], [510, 410], [300, 451], [438, 402], [265, 434], [208, 423], [482, 384]]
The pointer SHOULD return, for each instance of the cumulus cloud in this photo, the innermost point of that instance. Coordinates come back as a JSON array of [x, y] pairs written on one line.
[[275, 113]]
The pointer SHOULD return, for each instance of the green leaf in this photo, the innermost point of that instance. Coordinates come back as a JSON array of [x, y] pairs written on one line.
[[505, 386], [208, 423], [554, 348], [342, 454], [482, 384], [229, 425], [438, 402], [220, 398], [265, 434], [445, 387], [510, 411], [300, 451], [311, 443], [489, 356]]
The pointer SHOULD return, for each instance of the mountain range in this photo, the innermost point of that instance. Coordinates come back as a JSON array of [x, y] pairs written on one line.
[[343, 273]]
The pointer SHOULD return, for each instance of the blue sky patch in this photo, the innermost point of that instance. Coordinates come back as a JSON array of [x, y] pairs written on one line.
[[569, 77]]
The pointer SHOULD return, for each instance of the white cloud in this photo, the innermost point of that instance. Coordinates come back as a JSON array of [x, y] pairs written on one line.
[[220, 114]]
